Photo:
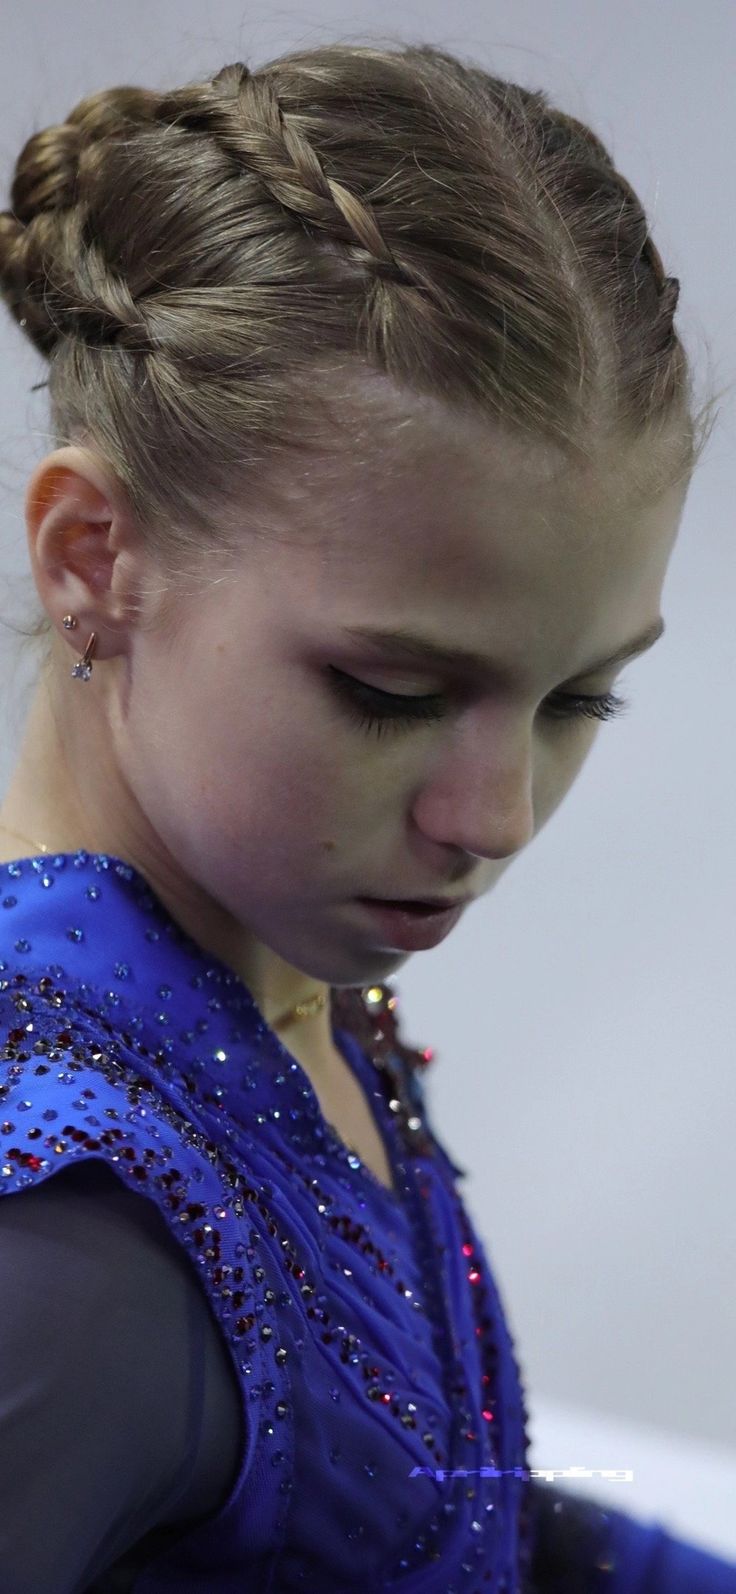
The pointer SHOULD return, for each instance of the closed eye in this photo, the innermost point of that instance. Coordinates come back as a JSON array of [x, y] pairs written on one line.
[[374, 709]]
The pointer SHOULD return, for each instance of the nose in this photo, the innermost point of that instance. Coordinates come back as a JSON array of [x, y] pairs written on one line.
[[482, 800]]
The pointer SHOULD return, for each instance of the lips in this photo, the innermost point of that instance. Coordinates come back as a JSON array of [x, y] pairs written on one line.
[[436, 904], [413, 906], [410, 928]]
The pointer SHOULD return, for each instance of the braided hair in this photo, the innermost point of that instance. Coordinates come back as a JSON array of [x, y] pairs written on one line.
[[221, 275]]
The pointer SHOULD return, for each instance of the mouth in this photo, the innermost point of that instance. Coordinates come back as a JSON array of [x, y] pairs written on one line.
[[409, 906], [411, 926], [417, 904]]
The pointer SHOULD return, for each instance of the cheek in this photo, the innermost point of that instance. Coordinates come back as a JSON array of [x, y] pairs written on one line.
[[251, 755], [281, 778], [557, 769]]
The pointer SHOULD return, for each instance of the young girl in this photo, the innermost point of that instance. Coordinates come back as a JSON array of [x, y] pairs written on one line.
[[373, 435]]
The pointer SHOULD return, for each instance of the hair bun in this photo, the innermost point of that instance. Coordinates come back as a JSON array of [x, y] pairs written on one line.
[[44, 182], [47, 169], [46, 173], [670, 295], [47, 181]]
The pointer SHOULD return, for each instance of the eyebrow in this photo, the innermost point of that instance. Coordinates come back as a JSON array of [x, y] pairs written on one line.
[[414, 646]]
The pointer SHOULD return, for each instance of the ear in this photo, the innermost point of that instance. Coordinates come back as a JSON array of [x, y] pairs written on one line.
[[78, 533]]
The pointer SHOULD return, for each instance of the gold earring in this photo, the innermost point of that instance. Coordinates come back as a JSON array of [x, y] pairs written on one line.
[[83, 668]]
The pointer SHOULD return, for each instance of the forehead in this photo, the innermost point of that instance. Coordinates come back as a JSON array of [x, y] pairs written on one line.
[[441, 497], [441, 525]]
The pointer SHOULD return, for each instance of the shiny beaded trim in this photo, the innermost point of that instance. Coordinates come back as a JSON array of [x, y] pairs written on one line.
[[370, 1015]]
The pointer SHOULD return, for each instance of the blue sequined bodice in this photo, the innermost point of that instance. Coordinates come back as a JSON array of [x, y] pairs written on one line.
[[366, 1332]]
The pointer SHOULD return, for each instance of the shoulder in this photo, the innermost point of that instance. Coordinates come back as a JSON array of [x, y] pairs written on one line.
[[102, 1339]]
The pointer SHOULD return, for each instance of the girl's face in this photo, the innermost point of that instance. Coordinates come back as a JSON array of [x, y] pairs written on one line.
[[224, 756]]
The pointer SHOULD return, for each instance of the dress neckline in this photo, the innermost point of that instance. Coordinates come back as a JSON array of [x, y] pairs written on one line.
[[365, 1075], [352, 1046]]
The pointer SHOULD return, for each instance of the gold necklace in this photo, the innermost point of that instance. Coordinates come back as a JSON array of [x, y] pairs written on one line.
[[306, 1009]]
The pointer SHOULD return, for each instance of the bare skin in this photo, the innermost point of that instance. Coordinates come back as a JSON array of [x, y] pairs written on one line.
[[214, 756]]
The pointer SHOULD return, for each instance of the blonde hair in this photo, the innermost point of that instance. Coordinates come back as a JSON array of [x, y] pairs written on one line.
[[211, 271]]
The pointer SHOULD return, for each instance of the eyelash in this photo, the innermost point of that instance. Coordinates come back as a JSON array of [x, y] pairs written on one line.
[[377, 710]]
